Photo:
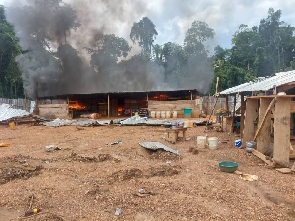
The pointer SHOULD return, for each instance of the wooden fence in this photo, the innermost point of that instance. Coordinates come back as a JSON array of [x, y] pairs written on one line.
[[19, 103], [208, 104]]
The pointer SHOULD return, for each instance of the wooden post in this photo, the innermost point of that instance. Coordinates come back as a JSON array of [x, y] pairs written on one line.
[[251, 114], [68, 102], [108, 106], [282, 115], [36, 111], [25, 104], [263, 139], [147, 103], [233, 114], [216, 86], [226, 103], [242, 114], [207, 108], [191, 95]]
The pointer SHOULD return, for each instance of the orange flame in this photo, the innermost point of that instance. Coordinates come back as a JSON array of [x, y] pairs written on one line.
[[161, 97], [77, 106]]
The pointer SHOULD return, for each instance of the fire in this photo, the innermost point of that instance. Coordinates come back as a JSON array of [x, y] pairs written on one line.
[[161, 97], [76, 105], [120, 109]]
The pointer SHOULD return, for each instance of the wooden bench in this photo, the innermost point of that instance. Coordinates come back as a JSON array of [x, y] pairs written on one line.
[[172, 134]]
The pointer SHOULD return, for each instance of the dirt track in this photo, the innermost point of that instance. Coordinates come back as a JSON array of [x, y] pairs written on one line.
[[89, 180]]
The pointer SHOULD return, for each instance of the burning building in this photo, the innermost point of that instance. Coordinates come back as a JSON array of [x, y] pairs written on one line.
[[119, 104], [82, 68]]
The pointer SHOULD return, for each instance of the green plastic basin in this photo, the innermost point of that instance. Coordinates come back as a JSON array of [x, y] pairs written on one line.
[[228, 166]]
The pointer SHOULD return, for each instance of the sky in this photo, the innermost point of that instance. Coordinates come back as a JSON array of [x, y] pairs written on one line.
[[172, 18]]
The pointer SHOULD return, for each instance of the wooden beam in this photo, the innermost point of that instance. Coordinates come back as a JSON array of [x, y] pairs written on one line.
[[282, 116], [242, 114], [263, 140], [226, 102], [263, 157], [233, 113], [216, 89], [108, 106], [292, 107], [266, 115], [251, 114]]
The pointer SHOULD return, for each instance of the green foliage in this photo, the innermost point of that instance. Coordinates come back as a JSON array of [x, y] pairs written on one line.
[[256, 52], [109, 48], [11, 85], [144, 32], [198, 33]]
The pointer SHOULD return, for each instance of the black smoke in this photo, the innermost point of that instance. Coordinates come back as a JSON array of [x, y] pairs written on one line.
[[54, 34]]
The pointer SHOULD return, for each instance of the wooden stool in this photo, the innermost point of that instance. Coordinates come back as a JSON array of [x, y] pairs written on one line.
[[172, 134]]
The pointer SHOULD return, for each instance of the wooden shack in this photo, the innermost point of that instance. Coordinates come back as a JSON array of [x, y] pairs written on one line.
[[267, 116], [120, 104]]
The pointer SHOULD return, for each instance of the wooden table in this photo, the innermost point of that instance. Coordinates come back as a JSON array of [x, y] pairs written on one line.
[[172, 134]]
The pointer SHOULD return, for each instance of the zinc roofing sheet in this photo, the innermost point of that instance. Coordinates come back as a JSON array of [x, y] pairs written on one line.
[[7, 112], [263, 84]]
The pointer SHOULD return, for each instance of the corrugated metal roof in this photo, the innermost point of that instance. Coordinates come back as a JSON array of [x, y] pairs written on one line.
[[7, 112], [263, 84]]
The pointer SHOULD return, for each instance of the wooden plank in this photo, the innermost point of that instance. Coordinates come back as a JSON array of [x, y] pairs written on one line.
[[251, 114], [282, 115], [263, 157], [226, 103], [53, 105], [272, 96], [292, 107], [265, 116], [233, 114], [242, 120], [263, 139]]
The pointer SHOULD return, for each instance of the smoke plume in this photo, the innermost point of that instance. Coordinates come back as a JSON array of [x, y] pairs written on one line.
[[55, 35]]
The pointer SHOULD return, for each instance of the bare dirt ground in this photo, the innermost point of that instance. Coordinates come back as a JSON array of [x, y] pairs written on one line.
[[89, 180]]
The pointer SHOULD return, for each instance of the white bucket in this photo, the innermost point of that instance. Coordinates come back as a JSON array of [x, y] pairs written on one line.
[[201, 141], [163, 114], [153, 114], [168, 113], [158, 114], [212, 141], [174, 114]]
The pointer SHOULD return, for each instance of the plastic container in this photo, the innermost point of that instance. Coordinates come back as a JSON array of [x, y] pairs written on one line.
[[213, 143], [188, 123], [168, 114], [201, 141], [33, 211], [174, 114], [163, 114], [93, 116], [238, 143], [153, 114], [228, 166], [158, 114], [250, 144], [187, 112]]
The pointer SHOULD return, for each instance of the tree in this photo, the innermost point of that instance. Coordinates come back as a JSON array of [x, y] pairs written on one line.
[[109, 48], [144, 32], [196, 36], [11, 85], [41, 27], [175, 58], [65, 20]]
